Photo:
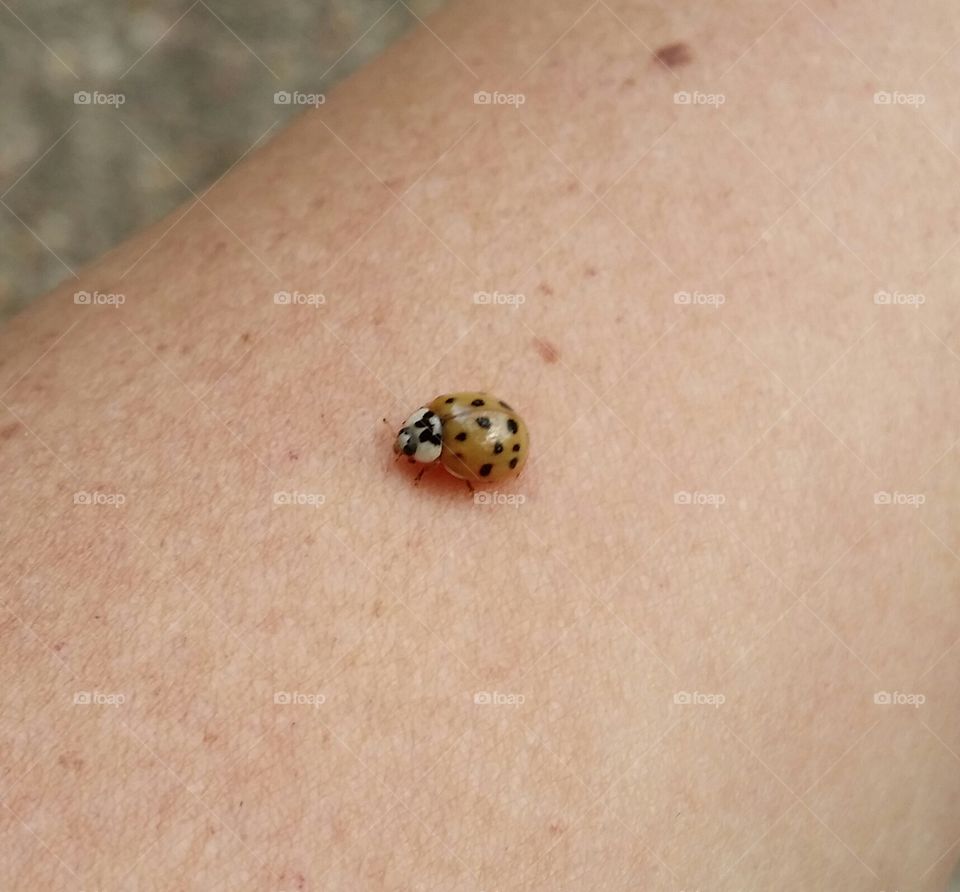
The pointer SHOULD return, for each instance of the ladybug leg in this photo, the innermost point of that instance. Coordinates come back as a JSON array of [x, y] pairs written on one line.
[[423, 470], [469, 486]]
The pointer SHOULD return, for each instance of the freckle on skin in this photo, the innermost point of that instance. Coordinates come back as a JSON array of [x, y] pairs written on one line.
[[7, 432], [545, 288], [548, 352], [71, 760], [674, 55]]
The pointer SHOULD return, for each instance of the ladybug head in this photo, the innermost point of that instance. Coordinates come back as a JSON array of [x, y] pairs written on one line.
[[420, 438]]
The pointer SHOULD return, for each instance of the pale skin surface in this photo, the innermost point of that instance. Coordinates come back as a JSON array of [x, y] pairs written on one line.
[[599, 600]]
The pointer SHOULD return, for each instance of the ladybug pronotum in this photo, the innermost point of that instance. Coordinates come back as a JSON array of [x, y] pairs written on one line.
[[476, 436]]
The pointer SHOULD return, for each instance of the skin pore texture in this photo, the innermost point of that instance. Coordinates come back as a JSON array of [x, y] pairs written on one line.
[[714, 644]]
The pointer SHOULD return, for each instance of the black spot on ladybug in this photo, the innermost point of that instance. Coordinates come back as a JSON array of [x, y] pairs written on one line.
[[450, 400], [427, 415], [485, 470], [461, 436], [459, 454], [513, 462], [484, 422], [512, 426], [516, 447], [506, 406], [477, 403], [498, 449]]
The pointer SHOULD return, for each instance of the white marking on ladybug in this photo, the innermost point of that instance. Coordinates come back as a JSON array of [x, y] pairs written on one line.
[[420, 438]]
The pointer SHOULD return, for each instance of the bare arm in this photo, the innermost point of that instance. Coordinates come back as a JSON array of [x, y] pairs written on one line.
[[659, 669]]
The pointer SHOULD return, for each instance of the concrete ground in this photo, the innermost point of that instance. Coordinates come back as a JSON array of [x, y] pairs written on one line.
[[198, 81]]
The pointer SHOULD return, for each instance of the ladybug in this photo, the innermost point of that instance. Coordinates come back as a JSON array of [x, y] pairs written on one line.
[[475, 435]]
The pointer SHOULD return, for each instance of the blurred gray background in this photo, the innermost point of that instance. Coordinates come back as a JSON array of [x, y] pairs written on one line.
[[198, 81]]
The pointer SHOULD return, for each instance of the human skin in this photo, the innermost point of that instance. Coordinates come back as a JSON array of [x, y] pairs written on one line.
[[779, 601]]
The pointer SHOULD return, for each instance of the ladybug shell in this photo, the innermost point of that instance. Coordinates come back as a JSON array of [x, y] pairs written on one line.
[[484, 439]]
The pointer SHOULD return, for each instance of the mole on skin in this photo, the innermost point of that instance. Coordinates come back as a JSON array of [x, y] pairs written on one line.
[[674, 55], [548, 352]]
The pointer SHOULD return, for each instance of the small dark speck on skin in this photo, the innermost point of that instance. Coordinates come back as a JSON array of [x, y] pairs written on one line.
[[7, 432], [548, 352], [674, 55], [545, 288], [590, 272], [293, 456], [71, 760], [246, 337]]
